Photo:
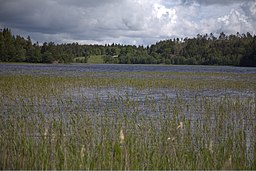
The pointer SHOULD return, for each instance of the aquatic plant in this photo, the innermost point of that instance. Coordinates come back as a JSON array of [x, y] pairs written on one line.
[[129, 121]]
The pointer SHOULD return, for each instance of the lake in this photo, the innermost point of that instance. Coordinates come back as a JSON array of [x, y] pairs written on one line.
[[179, 116], [78, 68]]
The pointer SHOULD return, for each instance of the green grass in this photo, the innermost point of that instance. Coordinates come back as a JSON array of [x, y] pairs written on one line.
[[95, 59], [67, 122], [79, 59]]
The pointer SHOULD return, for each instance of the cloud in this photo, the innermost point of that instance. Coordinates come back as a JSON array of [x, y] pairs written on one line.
[[124, 21], [214, 2], [234, 22], [249, 8]]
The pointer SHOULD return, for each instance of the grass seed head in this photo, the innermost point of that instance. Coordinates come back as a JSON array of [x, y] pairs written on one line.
[[180, 126], [45, 133], [171, 139], [53, 138], [82, 152], [121, 137]]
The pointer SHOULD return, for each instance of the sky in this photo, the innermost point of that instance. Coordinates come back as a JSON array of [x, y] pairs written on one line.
[[135, 22]]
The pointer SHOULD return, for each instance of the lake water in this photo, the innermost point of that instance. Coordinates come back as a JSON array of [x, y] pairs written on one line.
[[192, 104], [138, 72], [80, 68]]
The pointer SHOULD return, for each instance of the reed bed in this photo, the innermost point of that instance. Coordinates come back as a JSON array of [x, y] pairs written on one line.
[[129, 121]]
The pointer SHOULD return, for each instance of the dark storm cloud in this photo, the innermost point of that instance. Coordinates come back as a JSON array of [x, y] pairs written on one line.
[[38, 16], [85, 19], [86, 3], [124, 21]]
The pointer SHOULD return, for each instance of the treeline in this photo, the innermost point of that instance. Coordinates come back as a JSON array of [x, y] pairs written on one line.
[[19, 49], [236, 50]]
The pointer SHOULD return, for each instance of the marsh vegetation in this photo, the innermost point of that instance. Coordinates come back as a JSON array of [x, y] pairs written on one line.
[[127, 120]]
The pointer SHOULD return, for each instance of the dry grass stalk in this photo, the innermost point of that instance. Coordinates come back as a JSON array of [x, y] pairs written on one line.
[[180, 126], [227, 165], [45, 133], [171, 139], [121, 137], [211, 146], [82, 152]]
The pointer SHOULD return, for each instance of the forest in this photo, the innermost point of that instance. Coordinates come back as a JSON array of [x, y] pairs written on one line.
[[233, 50]]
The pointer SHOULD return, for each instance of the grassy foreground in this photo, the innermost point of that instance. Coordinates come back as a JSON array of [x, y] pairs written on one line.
[[99, 121]]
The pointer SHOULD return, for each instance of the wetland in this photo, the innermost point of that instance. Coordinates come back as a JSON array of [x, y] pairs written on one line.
[[80, 116]]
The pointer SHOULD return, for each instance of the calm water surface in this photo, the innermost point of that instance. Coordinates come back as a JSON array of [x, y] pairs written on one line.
[[81, 68]]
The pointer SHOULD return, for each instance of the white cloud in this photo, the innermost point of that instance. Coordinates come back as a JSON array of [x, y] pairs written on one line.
[[215, 2], [125, 21], [235, 22]]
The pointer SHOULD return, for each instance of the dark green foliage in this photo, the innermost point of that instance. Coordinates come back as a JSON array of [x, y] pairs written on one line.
[[19, 49], [249, 59], [108, 59], [236, 50]]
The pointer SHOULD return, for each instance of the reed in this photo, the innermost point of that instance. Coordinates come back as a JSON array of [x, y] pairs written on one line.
[[128, 121]]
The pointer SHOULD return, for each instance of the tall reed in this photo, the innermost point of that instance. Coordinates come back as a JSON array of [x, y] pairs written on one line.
[[87, 122]]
